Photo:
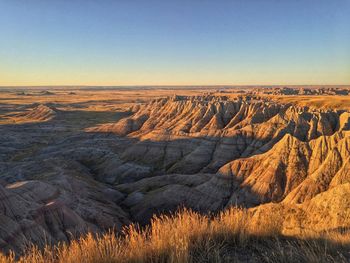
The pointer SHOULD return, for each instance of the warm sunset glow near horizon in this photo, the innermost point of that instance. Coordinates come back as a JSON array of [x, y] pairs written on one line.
[[195, 42]]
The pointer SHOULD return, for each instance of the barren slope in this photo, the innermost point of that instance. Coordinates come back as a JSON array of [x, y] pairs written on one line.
[[205, 152], [261, 152]]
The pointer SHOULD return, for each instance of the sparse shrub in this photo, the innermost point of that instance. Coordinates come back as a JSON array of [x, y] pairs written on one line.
[[187, 236]]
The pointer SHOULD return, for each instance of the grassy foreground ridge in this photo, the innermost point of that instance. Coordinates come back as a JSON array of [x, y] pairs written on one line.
[[188, 236]]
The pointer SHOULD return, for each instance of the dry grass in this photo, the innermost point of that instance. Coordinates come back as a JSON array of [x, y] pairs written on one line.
[[190, 237], [317, 102], [12, 102]]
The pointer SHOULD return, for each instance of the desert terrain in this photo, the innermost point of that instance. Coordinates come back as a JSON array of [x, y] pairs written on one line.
[[271, 162]]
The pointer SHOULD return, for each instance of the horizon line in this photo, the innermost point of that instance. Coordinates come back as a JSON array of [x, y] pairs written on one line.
[[174, 85]]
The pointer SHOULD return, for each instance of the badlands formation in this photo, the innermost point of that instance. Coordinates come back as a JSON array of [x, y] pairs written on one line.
[[70, 165]]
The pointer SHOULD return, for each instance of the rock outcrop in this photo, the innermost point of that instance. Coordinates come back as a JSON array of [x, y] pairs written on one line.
[[44, 212], [203, 152], [38, 113], [201, 134], [261, 151]]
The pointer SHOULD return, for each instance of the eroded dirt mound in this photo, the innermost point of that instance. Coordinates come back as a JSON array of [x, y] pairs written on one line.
[[203, 152], [262, 152], [38, 113], [200, 134]]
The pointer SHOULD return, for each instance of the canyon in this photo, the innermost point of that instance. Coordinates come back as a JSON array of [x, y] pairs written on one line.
[[77, 160]]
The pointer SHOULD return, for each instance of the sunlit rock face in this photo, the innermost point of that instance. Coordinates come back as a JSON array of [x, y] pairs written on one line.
[[203, 152], [256, 151], [200, 134]]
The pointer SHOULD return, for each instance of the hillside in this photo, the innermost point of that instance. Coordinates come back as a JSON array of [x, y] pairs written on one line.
[[68, 170]]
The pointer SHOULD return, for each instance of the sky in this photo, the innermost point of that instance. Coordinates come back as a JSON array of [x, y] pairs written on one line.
[[182, 42]]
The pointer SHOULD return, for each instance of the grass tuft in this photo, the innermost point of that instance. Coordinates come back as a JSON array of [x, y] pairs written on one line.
[[187, 236]]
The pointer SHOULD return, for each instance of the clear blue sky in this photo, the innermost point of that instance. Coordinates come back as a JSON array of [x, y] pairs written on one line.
[[61, 42]]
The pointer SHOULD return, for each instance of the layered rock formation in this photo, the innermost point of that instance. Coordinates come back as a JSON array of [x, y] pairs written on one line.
[[260, 150], [304, 91], [56, 210], [38, 113], [203, 152], [201, 134]]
